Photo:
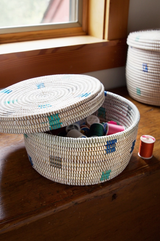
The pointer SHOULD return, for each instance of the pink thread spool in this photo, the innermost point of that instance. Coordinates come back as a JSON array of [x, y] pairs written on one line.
[[113, 122], [112, 128]]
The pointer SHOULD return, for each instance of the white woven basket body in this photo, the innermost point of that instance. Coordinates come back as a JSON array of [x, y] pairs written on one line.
[[86, 161], [143, 66]]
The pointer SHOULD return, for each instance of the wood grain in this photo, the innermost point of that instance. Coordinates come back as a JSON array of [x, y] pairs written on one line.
[[124, 208], [76, 59], [116, 21], [41, 34], [85, 9]]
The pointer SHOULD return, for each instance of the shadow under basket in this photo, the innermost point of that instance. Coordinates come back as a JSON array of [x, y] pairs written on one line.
[[91, 160]]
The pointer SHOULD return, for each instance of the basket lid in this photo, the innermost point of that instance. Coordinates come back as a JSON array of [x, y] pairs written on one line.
[[48, 102], [146, 39]]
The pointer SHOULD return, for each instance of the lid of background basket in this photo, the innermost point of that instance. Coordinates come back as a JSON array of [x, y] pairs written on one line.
[[48, 102], [146, 39]]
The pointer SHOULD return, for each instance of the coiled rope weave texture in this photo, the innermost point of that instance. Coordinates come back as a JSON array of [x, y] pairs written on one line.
[[48, 102], [143, 66], [86, 161]]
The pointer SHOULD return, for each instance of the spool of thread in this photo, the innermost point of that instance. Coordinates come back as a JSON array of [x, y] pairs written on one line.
[[110, 129], [146, 146], [75, 134], [73, 126], [85, 130], [113, 122], [92, 119], [96, 129]]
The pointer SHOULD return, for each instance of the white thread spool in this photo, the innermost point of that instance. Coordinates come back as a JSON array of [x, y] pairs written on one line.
[[91, 120], [75, 134]]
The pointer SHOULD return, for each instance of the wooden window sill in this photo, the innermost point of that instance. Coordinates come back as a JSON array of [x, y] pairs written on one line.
[[68, 55], [47, 44]]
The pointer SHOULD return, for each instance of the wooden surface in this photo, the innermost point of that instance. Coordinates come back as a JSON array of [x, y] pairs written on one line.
[[125, 208], [96, 18], [116, 21], [72, 59]]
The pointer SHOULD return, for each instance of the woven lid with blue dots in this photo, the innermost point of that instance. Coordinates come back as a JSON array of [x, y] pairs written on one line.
[[48, 102]]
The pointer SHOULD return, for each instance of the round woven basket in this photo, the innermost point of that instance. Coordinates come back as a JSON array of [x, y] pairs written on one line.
[[143, 66], [91, 160]]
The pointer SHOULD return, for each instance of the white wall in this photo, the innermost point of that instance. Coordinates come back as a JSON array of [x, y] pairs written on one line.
[[143, 14], [110, 78]]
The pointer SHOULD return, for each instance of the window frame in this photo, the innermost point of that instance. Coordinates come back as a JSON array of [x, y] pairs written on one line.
[[100, 44], [49, 31], [48, 26]]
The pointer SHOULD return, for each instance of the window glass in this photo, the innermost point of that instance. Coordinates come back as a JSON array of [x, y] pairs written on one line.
[[29, 13]]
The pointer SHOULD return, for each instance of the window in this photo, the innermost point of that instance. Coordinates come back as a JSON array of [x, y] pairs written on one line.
[[26, 15], [40, 18], [100, 43]]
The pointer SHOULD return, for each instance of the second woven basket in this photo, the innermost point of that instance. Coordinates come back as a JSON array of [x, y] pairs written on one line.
[[143, 66]]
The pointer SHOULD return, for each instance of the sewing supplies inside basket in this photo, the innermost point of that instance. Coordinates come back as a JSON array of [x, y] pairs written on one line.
[[91, 126]]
